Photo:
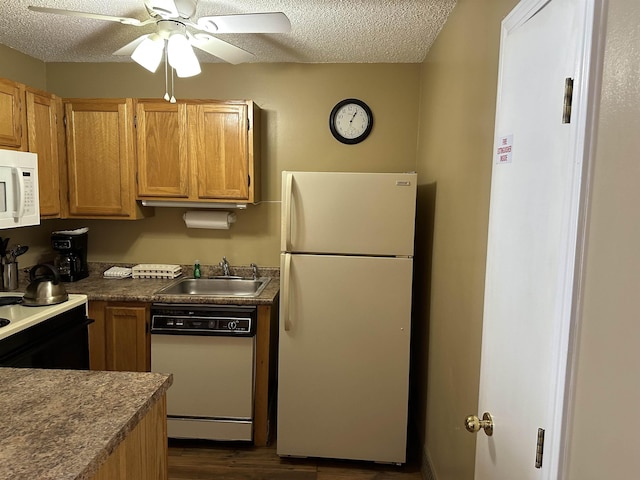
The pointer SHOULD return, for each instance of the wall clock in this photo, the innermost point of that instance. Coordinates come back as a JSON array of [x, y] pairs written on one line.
[[351, 121]]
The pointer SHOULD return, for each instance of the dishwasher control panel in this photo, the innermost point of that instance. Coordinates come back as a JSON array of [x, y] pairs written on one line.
[[203, 320]]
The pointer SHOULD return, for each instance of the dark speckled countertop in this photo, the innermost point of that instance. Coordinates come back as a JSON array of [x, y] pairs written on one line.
[[96, 287], [63, 424]]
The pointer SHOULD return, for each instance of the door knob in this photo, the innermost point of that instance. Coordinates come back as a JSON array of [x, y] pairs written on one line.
[[473, 423]]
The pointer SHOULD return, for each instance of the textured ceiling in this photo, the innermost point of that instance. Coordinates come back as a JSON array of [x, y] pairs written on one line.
[[331, 31]]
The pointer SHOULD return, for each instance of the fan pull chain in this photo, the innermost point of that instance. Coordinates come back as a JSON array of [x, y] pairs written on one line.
[[173, 99], [166, 77]]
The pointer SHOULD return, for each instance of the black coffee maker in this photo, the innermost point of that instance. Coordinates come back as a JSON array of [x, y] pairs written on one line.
[[71, 246]]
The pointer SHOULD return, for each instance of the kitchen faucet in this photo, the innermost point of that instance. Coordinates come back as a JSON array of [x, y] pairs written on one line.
[[225, 267], [254, 269]]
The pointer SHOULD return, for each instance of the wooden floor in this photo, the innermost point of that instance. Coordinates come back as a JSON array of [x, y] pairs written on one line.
[[190, 460]]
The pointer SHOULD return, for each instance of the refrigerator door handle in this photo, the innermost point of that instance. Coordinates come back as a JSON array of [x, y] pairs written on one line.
[[287, 199], [286, 292]]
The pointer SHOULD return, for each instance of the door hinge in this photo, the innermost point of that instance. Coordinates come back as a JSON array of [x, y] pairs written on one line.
[[539, 447], [568, 98]]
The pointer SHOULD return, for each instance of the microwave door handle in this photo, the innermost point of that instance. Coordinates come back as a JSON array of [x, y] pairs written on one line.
[[19, 182]]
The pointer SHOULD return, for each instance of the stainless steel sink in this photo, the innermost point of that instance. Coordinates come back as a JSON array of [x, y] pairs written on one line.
[[216, 287]]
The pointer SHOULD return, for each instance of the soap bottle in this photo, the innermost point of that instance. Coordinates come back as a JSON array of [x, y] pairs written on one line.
[[196, 269]]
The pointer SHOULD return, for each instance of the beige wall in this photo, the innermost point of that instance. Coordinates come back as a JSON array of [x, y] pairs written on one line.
[[604, 441], [22, 68], [458, 92], [296, 100]]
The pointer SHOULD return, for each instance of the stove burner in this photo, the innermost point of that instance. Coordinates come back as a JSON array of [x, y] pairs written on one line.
[[4, 322]]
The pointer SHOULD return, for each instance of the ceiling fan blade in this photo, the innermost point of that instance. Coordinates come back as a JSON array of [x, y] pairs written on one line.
[[221, 49], [131, 46], [96, 16], [271, 22], [172, 8]]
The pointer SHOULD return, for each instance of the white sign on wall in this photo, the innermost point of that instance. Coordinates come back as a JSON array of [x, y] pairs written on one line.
[[504, 149]]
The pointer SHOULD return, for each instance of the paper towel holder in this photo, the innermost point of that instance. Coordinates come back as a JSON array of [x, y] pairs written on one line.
[[209, 219]]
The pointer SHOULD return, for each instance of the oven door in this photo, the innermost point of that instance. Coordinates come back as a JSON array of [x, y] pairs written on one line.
[[59, 342], [213, 384]]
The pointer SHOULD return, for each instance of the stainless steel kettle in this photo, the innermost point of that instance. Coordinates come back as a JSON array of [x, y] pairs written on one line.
[[44, 289]]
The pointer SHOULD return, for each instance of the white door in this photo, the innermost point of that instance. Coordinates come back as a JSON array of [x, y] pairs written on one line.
[[539, 172]]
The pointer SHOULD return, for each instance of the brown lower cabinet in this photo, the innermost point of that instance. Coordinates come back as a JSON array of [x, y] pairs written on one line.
[[120, 339], [143, 454]]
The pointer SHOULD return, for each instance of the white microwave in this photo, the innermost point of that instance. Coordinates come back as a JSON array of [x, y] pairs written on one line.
[[19, 200]]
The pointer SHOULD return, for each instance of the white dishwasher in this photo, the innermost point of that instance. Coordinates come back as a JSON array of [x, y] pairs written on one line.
[[210, 350]]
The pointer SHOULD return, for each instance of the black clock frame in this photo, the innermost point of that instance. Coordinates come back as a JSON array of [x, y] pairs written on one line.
[[332, 121]]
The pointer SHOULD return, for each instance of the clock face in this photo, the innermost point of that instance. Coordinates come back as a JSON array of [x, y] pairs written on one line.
[[351, 121]]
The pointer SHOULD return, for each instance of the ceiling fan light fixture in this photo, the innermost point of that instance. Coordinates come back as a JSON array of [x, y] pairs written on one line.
[[172, 17], [181, 56], [149, 53]]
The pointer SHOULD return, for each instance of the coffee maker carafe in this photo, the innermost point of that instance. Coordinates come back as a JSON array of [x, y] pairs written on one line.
[[71, 246]]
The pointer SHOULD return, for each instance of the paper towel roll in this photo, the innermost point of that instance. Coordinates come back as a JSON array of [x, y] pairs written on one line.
[[209, 219]]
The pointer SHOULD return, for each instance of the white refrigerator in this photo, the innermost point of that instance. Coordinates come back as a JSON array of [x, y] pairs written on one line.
[[345, 315]]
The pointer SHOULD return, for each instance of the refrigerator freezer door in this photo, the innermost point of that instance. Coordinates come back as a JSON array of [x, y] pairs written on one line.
[[348, 213], [344, 357]]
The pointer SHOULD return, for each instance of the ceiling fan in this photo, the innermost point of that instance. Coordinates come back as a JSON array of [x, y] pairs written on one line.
[[174, 39]]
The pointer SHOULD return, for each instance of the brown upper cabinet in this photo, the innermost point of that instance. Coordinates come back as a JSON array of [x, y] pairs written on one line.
[[44, 132], [12, 115], [97, 157], [163, 160], [198, 151], [100, 144]]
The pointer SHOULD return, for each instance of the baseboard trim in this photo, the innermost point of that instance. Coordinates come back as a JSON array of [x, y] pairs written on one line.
[[426, 468]]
